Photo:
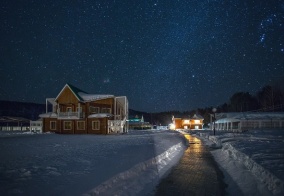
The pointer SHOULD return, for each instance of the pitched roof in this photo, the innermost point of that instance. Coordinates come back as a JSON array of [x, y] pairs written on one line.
[[76, 91], [93, 97], [82, 95], [197, 116]]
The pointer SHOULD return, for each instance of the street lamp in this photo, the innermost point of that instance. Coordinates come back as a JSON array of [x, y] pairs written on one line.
[[214, 111]]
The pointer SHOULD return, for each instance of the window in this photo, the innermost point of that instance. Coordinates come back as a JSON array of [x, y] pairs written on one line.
[[94, 110], [106, 110], [96, 125], [79, 109], [81, 125], [69, 109], [52, 125], [196, 121], [67, 125], [186, 121]]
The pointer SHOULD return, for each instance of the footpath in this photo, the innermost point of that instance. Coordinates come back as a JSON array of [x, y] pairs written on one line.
[[197, 173]]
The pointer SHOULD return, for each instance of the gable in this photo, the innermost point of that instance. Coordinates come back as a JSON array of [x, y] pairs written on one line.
[[66, 95]]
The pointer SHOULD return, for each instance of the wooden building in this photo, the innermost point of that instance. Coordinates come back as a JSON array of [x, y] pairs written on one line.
[[74, 111], [194, 122]]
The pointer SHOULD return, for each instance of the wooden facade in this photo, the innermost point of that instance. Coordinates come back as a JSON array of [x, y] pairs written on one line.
[[77, 112]]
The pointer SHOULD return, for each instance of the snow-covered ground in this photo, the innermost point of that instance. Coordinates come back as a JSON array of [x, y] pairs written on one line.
[[252, 162], [133, 164], [53, 164]]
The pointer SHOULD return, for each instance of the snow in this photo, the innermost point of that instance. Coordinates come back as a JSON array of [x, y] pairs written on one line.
[[54, 164], [89, 97], [48, 115], [236, 116], [252, 162], [100, 115], [132, 164]]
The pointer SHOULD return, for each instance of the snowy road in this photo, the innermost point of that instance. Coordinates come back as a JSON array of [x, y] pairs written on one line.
[[52, 164]]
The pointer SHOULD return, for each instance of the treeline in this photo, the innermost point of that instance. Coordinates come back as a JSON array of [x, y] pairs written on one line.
[[267, 99], [21, 109]]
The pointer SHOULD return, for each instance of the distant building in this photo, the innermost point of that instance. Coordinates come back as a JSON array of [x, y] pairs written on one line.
[[194, 122], [36, 126], [138, 123], [9, 123], [249, 120], [74, 111]]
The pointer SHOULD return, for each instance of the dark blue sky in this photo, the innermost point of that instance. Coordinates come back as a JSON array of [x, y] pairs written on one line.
[[163, 55]]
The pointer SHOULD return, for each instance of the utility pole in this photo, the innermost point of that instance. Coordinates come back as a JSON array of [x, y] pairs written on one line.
[[214, 111]]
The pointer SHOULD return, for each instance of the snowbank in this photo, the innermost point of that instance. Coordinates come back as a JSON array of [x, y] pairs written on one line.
[[260, 152], [134, 180]]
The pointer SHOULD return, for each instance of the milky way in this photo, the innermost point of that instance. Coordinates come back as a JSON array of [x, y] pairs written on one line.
[[163, 55]]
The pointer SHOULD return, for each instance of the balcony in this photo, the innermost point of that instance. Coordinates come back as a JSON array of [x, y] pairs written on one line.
[[71, 115]]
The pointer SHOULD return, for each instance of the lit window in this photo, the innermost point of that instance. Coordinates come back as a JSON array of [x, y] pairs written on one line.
[[52, 125], [67, 125], [81, 125], [186, 121], [196, 121], [96, 125]]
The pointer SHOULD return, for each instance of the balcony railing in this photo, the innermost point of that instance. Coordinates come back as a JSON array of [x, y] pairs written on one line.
[[71, 115]]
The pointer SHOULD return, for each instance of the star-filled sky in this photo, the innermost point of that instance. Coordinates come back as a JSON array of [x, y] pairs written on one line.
[[162, 54]]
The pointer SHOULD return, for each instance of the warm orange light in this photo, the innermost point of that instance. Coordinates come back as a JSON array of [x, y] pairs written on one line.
[[196, 121], [186, 121], [172, 126]]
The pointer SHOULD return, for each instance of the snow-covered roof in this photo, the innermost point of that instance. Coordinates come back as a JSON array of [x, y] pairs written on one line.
[[48, 115], [237, 116], [13, 119], [93, 97], [197, 116], [82, 95], [100, 115]]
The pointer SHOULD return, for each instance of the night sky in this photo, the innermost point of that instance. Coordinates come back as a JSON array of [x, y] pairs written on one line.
[[163, 55]]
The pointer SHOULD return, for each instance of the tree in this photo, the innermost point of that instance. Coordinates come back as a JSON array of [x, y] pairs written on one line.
[[242, 102], [270, 96]]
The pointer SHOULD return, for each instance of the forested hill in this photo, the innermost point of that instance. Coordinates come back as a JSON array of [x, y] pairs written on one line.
[[21, 109]]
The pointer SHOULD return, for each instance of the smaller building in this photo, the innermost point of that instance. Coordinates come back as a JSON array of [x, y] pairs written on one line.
[[138, 123], [9, 123], [36, 126], [194, 122], [239, 121]]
